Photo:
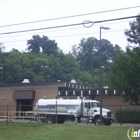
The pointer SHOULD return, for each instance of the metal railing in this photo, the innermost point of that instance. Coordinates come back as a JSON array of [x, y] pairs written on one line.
[[8, 114]]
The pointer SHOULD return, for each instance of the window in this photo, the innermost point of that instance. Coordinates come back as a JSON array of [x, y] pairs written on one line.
[[87, 105], [95, 104]]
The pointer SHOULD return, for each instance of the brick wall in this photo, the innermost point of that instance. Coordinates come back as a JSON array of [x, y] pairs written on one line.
[[49, 92], [6, 95], [112, 102]]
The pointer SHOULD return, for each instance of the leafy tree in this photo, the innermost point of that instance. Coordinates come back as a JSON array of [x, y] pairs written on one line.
[[133, 34], [85, 78], [49, 46], [14, 50], [69, 66], [125, 70], [87, 55], [34, 45], [125, 75], [2, 48], [18, 66], [12, 70], [44, 45]]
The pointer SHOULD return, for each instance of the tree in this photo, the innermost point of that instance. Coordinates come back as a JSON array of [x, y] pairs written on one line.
[[69, 66], [133, 34], [125, 70], [125, 75], [85, 78], [34, 45], [87, 55], [44, 45], [49, 46], [30, 66]]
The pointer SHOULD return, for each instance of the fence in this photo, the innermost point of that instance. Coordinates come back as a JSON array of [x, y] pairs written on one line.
[[9, 114]]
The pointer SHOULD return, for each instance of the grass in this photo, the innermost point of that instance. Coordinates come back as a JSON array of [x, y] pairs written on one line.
[[61, 132]]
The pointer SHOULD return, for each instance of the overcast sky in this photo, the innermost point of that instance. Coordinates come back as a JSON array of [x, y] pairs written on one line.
[[18, 11]]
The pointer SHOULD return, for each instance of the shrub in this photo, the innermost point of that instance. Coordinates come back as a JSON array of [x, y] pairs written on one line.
[[128, 116]]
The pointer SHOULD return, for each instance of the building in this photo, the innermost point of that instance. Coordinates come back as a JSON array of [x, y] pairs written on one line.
[[23, 96]]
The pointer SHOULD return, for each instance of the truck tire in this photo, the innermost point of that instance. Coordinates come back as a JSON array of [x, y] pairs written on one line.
[[42, 120], [96, 120], [61, 119], [108, 123], [50, 119]]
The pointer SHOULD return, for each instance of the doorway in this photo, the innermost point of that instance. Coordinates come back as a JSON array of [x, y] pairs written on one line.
[[23, 105]]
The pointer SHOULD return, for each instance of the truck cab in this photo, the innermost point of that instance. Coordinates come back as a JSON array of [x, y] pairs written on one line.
[[91, 109]]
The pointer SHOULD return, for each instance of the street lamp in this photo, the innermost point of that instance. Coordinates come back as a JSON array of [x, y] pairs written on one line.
[[44, 72], [1, 68], [100, 47]]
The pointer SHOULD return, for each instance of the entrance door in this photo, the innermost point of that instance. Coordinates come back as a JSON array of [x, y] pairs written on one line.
[[24, 105]]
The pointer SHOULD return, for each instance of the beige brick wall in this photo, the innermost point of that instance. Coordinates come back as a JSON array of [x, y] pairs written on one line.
[[6, 97], [49, 93], [111, 102]]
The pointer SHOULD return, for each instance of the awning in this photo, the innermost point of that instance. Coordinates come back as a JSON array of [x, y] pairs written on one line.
[[23, 94]]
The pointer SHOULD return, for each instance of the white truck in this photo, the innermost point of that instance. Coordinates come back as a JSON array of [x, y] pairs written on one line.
[[61, 110]]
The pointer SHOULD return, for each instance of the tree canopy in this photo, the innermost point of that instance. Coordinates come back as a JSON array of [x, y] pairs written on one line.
[[88, 57], [42, 44], [133, 34], [45, 62], [125, 70]]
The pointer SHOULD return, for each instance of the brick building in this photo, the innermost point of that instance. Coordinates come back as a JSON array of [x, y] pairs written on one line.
[[23, 96]]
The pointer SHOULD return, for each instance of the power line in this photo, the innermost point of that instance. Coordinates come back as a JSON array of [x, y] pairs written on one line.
[[69, 35], [113, 10], [61, 30], [70, 25]]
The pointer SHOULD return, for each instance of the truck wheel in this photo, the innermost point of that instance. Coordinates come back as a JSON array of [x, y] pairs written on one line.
[[50, 119], [109, 123], [97, 120], [61, 119]]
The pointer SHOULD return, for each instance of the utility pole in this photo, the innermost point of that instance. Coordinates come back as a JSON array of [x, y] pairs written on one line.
[[100, 49]]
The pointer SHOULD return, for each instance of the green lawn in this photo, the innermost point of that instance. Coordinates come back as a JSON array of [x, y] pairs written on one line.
[[61, 132]]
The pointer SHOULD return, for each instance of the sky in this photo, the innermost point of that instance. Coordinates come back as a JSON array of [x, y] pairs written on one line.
[[20, 11]]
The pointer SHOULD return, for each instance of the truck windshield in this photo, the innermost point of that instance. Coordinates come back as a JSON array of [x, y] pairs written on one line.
[[95, 104]]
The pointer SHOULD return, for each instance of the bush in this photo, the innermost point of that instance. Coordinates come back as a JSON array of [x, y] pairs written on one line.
[[128, 116]]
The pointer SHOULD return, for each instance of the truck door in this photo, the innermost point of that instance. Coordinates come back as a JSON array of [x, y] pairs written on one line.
[[88, 109]]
